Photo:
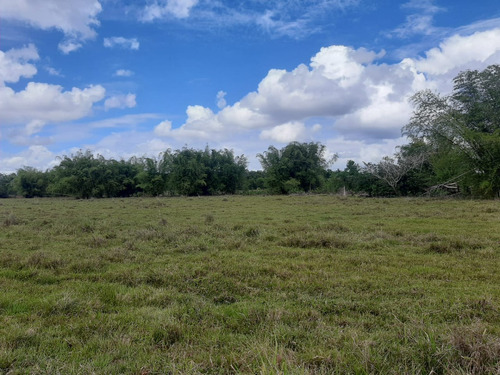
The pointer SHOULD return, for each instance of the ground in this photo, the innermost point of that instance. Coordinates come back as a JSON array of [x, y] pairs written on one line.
[[278, 284]]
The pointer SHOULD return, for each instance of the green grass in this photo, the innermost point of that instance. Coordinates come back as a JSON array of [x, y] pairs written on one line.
[[255, 285]]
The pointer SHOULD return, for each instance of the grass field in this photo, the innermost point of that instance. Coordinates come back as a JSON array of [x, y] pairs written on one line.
[[254, 285]]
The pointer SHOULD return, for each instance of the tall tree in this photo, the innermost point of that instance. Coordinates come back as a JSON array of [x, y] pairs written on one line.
[[463, 129]]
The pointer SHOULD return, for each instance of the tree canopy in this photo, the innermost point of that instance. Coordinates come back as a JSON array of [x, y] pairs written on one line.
[[296, 167]]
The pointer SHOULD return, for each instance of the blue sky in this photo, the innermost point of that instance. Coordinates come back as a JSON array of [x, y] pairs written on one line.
[[133, 78]]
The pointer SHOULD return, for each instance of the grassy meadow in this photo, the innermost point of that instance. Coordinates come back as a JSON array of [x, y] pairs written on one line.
[[250, 285]]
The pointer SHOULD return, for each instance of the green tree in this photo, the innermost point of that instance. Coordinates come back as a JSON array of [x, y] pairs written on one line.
[[84, 175], [80, 175], [463, 129], [6, 181], [189, 172], [153, 173], [296, 167], [255, 180], [31, 182], [225, 172]]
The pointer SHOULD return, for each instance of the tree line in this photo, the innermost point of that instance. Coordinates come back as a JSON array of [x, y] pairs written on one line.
[[454, 148], [296, 168]]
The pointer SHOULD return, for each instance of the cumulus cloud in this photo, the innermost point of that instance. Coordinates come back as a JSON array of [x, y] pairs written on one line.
[[164, 8], [163, 128], [460, 51], [333, 85], [77, 19], [120, 101], [16, 63], [70, 16], [118, 41], [38, 103], [292, 131], [47, 103]]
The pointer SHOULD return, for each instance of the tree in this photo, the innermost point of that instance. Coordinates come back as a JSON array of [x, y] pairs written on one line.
[[81, 175], [189, 172], [225, 172], [206, 172], [392, 170], [255, 180], [153, 173], [296, 167], [30, 182], [6, 184], [463, 128]]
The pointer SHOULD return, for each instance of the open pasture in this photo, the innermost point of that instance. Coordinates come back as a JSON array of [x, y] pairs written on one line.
[[269, 285]]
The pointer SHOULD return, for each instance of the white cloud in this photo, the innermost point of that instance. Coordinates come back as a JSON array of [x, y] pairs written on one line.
[[35, 156], [163, 129], [278, 18], [34, 127], [53, 72], [360, 150], [128, 144], [419, 23], [14, 64], [123, 121], [120, 101], [221, 99], [292, 131], [124, 73], [163, 8], [118, 41], [69, 46], [47, 103], [70, 16], [38, 103], [460, 51], [75, 18]]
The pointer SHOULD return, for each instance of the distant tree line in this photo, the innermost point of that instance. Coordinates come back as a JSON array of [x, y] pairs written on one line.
[[454, 147]]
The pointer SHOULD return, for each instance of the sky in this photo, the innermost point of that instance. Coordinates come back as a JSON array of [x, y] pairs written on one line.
[[127, 78]]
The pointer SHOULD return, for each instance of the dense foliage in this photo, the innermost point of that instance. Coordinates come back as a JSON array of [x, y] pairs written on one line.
[[180, 172], [454, 148], [296, 167]]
